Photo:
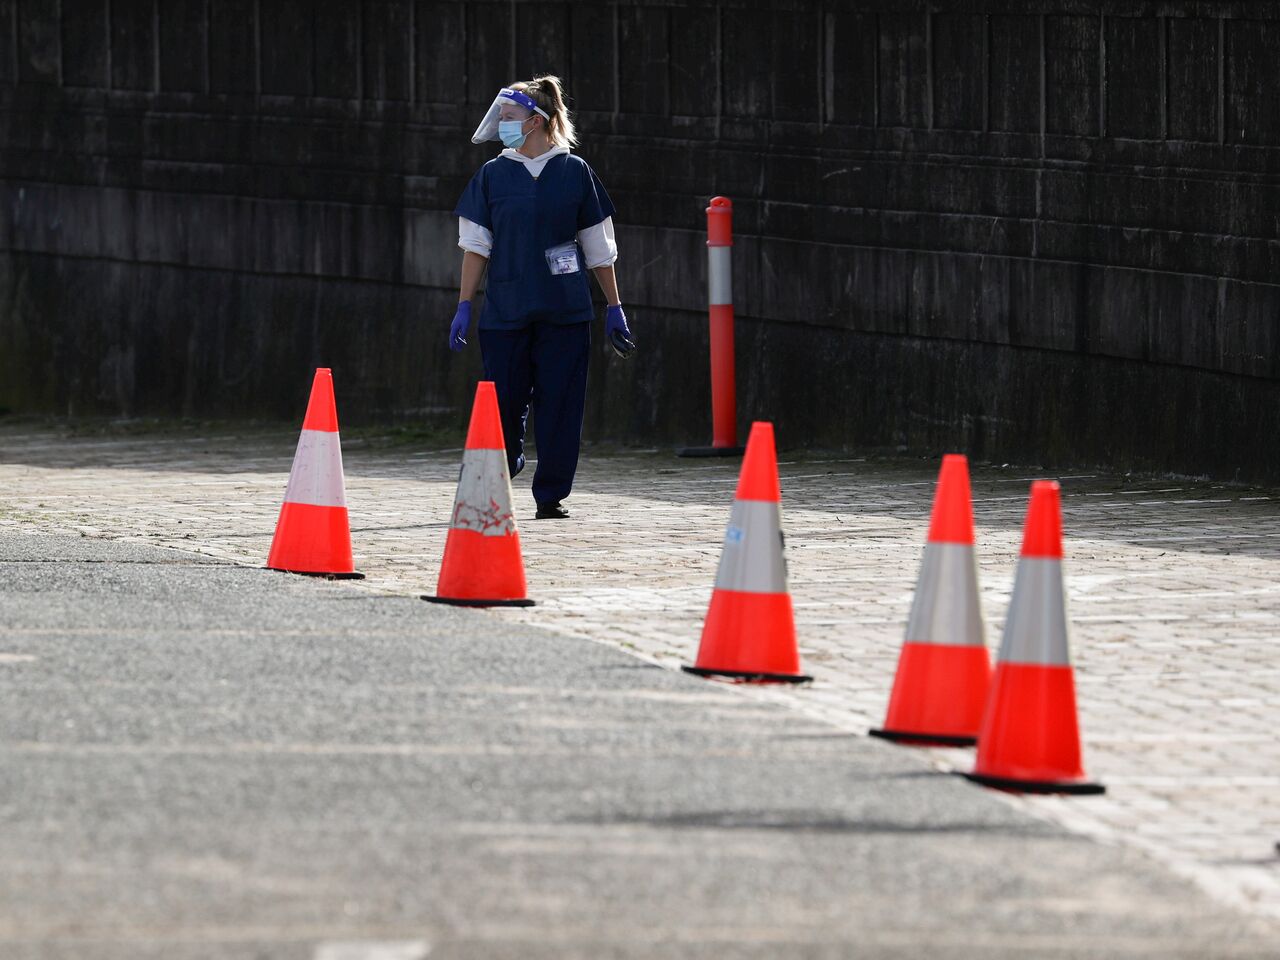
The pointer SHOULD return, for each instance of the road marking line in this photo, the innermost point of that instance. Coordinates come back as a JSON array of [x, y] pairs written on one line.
[[372, 950]]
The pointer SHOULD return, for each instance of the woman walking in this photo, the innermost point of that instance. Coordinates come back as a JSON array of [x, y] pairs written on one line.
[[538, 218]]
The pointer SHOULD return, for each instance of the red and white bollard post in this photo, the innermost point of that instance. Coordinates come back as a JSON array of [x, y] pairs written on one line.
[[724, 403]]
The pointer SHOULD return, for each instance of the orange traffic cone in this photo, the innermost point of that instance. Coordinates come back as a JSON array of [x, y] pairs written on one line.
[[313, 534], [750, 631], [1029, 741], [482, 565], [944, 670]]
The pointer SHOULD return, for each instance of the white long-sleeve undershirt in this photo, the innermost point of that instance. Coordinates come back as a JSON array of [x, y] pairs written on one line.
[[599, 246]]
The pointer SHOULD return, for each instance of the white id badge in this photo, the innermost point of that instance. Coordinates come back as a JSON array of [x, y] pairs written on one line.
[[563, 259]]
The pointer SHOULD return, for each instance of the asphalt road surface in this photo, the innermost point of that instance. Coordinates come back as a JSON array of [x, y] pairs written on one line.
[[200, 760]]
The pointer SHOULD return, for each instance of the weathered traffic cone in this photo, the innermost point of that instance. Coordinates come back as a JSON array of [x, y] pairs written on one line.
[[1030, 741], [482, 566], [944, 669], [313, 533], [750, 631]]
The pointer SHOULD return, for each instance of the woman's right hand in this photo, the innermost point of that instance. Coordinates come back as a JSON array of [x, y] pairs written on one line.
[[458, 329]]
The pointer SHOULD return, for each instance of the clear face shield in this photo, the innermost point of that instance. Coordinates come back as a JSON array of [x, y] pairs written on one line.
[[507, 105]]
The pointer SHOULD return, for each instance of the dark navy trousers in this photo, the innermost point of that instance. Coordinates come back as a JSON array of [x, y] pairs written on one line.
[[543, 365]]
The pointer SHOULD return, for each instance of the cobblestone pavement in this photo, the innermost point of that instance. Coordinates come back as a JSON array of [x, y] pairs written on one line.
[[1173, 594]]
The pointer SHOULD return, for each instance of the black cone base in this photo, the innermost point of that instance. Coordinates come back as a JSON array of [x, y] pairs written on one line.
[[459, 602], [749, 677], [923, 739], [312, 573], [1010, 785]]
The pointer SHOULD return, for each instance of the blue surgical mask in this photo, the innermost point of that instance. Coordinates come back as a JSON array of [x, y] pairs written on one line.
[[511, 133]]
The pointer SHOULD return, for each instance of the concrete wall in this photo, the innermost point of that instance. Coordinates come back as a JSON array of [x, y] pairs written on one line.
[[1039, 231]]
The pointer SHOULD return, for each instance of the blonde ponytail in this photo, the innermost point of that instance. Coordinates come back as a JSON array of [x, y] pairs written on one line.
[[548, 93]]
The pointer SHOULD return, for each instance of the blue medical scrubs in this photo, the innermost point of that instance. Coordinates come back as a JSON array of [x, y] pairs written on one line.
[[535, 328]]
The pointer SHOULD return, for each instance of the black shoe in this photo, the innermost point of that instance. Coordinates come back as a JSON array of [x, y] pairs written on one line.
[[551, 511]]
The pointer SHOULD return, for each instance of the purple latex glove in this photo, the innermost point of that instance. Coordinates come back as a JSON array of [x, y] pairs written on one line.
[[458, 329], [618, 333]]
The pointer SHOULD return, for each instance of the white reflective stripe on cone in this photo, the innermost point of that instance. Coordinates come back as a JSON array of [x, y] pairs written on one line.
[[316, 477], [752, 561], [946, 608], [1036, 629], [483, 503], [719, 276]]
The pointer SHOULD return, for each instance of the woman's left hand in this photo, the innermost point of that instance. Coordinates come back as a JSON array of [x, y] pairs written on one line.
[[617, 332]]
